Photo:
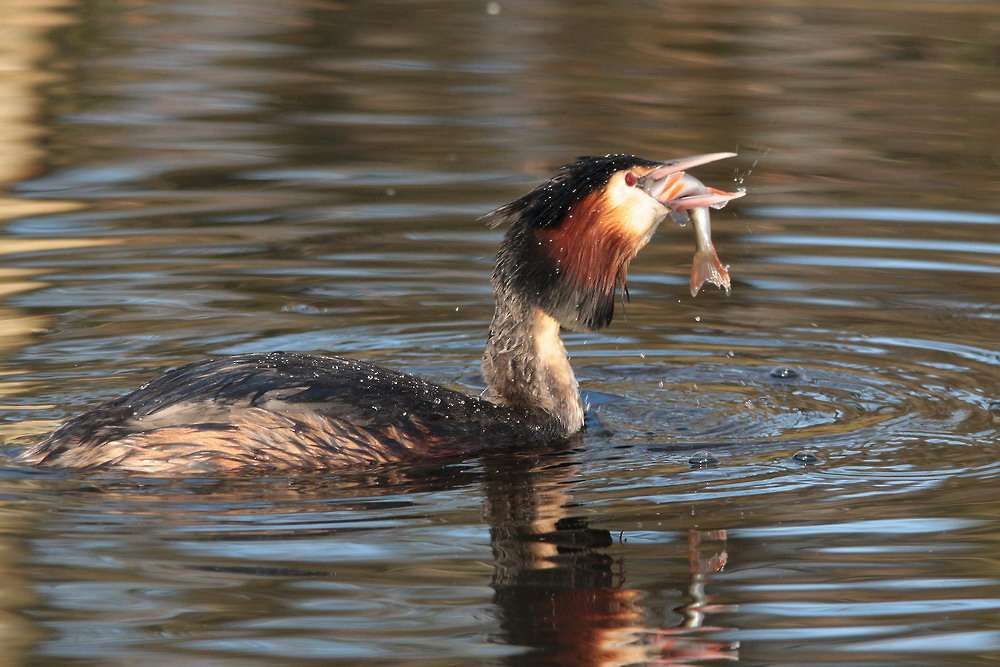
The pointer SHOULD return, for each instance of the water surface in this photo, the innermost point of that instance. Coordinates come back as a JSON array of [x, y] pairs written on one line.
[[804, 471]]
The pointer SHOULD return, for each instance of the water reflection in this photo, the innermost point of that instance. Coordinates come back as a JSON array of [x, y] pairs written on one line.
[[294, 546], [561, 596]]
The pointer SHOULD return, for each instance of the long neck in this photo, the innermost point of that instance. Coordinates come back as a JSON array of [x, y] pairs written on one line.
[[525, 365]]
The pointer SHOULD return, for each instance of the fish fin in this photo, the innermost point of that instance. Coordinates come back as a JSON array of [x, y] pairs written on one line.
[[707, 268]]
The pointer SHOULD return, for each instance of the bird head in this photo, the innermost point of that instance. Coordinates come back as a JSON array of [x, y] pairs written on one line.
[[572, 238]]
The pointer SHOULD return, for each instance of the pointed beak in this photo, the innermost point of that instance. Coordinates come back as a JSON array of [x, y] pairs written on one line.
[[670, 186]]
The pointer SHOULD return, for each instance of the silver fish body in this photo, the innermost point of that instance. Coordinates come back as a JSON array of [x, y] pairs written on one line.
[[693, 202], [706, 267]]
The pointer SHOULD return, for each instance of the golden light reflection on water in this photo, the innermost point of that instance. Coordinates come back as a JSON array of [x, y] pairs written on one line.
[[23, 43]]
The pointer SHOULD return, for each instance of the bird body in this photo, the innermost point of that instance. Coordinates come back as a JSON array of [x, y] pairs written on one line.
[[277, 412]]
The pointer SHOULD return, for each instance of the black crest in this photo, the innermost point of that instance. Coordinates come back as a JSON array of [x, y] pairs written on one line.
[[547, 205]]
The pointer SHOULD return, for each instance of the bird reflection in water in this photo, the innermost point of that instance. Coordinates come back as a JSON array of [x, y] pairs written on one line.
[[567, 602]]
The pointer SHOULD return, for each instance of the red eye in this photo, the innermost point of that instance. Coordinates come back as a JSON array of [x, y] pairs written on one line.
[[630, 179]]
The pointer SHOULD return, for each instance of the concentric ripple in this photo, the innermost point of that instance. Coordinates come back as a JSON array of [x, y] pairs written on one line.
[[861, 326], [831, 388]]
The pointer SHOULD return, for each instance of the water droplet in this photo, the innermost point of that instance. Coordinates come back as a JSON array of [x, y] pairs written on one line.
[[703, 460], [697, 318], [785, 373], [806, 456]]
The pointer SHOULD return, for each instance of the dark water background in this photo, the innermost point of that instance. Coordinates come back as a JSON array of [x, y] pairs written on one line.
[[192, 178]]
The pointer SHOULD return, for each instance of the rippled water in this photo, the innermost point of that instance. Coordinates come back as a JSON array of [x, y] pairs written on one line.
[[804, 471]]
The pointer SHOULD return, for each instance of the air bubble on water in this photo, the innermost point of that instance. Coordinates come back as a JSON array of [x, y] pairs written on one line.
[[806, 456], [703, 460], [785, 373]]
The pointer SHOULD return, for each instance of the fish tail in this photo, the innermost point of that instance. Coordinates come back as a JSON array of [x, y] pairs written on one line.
[[707, 268]]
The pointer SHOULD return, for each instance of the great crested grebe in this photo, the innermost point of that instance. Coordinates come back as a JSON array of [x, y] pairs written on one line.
[[561, 262]]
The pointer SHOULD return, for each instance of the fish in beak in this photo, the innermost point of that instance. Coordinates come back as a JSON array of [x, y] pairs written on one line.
[[685, 196]]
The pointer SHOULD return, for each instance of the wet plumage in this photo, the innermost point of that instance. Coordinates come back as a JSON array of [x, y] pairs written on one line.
[[280, 411]]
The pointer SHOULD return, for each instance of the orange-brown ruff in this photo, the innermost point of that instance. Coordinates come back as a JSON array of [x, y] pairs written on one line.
[[561, 262]]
